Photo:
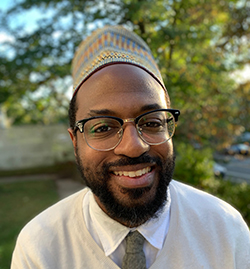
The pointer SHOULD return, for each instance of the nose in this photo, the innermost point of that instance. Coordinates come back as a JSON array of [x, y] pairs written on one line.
[[131, 144]]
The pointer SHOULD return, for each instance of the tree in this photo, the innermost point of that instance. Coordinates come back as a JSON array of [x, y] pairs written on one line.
[[243, 100], [197, 43], [193, 44]]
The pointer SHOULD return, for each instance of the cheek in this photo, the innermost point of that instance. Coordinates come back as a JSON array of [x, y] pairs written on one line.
[[89, 157], [165, 150]]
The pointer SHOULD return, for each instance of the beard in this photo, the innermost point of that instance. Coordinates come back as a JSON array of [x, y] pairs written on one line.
[[135, 213]]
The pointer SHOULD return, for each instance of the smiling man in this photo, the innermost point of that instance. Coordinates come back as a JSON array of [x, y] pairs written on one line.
[[132, 214], [128, 175]]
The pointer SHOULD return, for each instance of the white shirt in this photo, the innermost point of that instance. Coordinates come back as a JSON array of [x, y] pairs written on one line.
[[110, 234]]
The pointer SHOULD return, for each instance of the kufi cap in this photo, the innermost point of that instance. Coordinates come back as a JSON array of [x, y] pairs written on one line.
[[112, 45]]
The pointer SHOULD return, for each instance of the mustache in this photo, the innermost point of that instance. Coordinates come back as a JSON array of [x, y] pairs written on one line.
[[145, 158]]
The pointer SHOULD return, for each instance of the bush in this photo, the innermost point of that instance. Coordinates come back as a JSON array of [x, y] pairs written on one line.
[[193, 166]]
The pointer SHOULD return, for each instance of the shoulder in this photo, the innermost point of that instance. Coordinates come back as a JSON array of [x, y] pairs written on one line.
[[55, 218], [209, 222], [202, 205], [56, 238], [193, 196]]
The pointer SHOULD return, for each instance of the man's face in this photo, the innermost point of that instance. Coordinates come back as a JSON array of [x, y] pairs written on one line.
[[124, 91]]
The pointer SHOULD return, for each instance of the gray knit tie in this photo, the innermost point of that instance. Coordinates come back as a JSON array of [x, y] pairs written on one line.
[[134, 257]]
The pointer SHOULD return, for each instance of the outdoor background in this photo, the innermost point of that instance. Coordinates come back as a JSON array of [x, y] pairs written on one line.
[[203, 50]]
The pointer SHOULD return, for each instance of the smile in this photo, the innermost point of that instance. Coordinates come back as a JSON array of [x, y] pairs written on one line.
[[133, 173]]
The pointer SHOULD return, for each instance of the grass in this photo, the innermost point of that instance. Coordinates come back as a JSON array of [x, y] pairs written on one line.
[[20, 202]]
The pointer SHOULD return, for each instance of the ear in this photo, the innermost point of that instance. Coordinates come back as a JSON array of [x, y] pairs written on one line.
[[73, 137]]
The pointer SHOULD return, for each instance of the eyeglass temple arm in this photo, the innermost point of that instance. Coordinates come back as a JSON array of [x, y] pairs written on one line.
[[78, 125]]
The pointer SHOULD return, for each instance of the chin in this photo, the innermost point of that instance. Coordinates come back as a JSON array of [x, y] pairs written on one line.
[[130, 206]]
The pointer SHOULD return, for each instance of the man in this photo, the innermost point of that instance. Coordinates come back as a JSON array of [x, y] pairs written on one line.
[[132, 215]]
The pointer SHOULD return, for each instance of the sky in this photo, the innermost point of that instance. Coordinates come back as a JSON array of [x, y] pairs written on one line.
[[242, 76], [29, 22], [4, 4], [27, 19]]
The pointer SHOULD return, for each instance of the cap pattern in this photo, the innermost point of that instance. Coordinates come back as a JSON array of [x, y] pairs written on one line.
[[112, 45]]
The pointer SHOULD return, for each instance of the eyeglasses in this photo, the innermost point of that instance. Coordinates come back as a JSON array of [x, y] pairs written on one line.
[[104, 133]]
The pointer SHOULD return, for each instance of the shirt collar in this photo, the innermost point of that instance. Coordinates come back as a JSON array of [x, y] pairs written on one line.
[[155, 230], [111, 233]]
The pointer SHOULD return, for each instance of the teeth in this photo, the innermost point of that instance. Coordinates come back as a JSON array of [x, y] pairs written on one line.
[[132, 173], [138, 173]]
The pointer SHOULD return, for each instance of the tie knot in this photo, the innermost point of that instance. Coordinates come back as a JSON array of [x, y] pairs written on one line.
[[134, 241]]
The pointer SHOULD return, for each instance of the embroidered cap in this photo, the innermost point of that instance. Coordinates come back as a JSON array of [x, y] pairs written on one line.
[[112, 45]]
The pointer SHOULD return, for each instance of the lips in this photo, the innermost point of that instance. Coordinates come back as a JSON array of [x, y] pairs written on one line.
[[134, 177], [136, 173]]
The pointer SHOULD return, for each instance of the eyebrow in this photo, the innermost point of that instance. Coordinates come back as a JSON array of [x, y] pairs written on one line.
[[101, 112], [107, 112], [150, 107], [104, 112]]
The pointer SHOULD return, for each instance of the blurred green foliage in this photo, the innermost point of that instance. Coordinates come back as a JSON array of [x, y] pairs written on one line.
[[198, 44], [195, 167]]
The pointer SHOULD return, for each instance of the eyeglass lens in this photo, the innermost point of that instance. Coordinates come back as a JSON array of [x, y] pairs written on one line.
[[106, 133]]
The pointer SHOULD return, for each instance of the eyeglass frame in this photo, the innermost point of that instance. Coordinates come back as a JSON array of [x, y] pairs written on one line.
[[79, 125]]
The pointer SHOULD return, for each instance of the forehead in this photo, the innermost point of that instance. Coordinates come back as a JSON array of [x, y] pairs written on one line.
[[122, 89]]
